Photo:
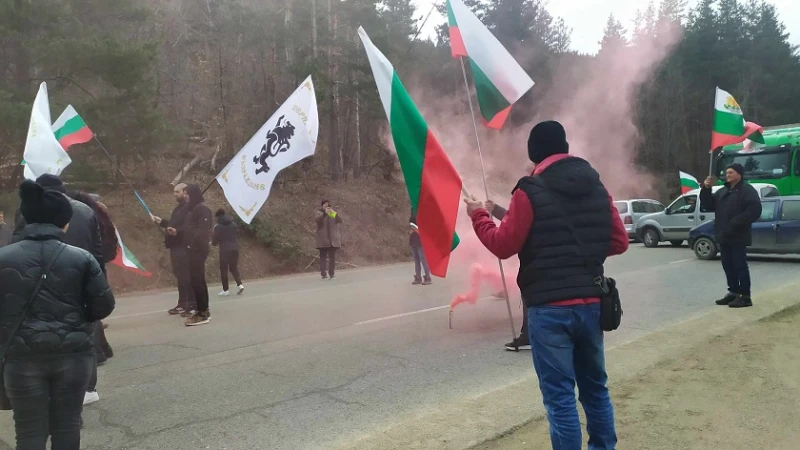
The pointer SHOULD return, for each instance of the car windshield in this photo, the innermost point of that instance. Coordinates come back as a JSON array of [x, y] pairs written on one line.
[[771, 163], [622, 207]]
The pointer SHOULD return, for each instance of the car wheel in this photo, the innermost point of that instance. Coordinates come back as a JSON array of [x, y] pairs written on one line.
[[705, 248], [676, 243], [650, 238]]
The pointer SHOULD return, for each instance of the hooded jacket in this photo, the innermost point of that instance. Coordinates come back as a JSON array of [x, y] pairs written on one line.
[[177, 221], [197, 229], [74, 295], [226, 235]]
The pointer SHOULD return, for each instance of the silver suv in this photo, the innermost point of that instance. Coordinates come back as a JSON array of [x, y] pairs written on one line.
[[673, 224], [630, 211]]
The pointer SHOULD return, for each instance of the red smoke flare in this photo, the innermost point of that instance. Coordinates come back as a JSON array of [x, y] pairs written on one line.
[[477, 274]]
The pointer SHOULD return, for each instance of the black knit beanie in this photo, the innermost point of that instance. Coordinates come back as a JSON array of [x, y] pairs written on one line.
[[547, 139], [737, 167], [40, 205]]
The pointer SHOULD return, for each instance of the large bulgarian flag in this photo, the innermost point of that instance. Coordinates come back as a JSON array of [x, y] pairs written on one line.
[[688, 182], [729, 124], [126, 260], [70, 129], [434, 186], [499, 80]]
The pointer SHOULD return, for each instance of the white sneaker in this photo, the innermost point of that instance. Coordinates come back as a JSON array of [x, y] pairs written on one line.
[[224, 294], [241, 289], [91, 397]]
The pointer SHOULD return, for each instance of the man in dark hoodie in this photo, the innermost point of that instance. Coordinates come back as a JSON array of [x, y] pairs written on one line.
[[178, 254], [226, 236], [197, 236], [561, 254], [737, 205]]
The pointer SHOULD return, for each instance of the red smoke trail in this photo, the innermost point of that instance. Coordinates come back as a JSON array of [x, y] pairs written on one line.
[[477, 274]]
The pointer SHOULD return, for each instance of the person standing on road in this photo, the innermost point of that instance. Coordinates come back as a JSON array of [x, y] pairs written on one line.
[[522, 342], [558, 268], [178, 254], [226, 236], [420, 262], [5, 230], [197, 235], [736, 206], [329, 240], [50, 296]]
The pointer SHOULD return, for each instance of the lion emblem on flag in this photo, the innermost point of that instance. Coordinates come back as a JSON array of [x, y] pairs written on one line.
[[278, 141]]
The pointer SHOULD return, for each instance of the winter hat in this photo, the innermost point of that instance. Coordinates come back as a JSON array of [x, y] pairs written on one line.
[[547, 139], [195, 194], [40, 205], [52, 182], [737, 167]]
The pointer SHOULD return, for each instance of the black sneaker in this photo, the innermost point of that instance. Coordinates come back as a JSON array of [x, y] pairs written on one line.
[[417, 281], [729, 297], [176, 311], [742, 301], [520, 343], [324, 276], [427, 281]]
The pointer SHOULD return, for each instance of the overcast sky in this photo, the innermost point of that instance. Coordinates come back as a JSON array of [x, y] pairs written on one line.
[[588, 17]]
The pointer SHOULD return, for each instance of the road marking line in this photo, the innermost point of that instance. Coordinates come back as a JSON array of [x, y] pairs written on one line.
[[682, 260], [396, 316]]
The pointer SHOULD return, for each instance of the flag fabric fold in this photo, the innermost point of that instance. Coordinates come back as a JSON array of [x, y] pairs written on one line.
[[127, 260], [729, 125], [499, 79], [43, 154], [287, 137], [688, 182], [70, 129], [434, 186]]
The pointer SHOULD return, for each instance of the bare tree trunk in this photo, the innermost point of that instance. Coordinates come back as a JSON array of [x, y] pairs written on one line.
[[314, 27], [357, 155], [287, 19], [214, 159], [334, 152], [186, 170]]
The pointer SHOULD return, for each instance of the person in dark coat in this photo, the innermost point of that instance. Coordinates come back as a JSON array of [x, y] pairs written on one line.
[[736, 206], [329, 239], [226, 236], [420, 262], [5, 231], [178, 254], [49, 359], [562, 224], [197, 237]]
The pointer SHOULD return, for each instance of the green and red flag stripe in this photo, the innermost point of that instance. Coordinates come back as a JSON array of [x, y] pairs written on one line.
[[434, 186], [729, 124], [499, 79], [70, 129], [688, 182], [127, 260]]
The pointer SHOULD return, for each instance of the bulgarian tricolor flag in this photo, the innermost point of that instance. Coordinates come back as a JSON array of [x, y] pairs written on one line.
[[499, 80], [70, 129], [688, 182], [434, 186], [126, 260], [729, 124]]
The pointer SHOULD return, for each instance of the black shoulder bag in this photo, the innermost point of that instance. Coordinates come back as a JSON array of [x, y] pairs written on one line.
[[5, 403], [610, 304]]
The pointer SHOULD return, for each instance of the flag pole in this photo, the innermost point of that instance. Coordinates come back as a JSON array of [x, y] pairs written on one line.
[[209, 186], [486, 189], [116, 165]]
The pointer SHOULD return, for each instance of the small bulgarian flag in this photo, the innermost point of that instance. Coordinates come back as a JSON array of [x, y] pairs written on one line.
[[433, 184], [126, 260], [729, 124], [499, 79], [688, 182], [70, 129]]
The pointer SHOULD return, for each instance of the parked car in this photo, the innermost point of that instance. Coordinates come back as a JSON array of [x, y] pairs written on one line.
[[630, 211], [776, 231], [674, 223]]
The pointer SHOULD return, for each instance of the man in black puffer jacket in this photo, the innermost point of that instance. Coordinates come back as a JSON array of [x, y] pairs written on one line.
[[49, 359], [226, 235], [737, 205], [197, 237]]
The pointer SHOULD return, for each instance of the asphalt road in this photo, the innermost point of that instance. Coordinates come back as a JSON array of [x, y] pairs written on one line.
[[300, 363]]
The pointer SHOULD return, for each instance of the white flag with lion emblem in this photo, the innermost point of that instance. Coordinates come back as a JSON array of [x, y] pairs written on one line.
[[288, 136]]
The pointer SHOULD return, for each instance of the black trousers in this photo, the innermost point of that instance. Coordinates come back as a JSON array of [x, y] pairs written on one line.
[[102, 351], [179, 257], [229, 261], [197, 277], [737, 272], [327, 259], [47, 397]]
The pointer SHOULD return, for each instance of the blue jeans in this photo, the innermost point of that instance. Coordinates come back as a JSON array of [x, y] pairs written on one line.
[[567, 348], [419, 260], [734, 263]]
